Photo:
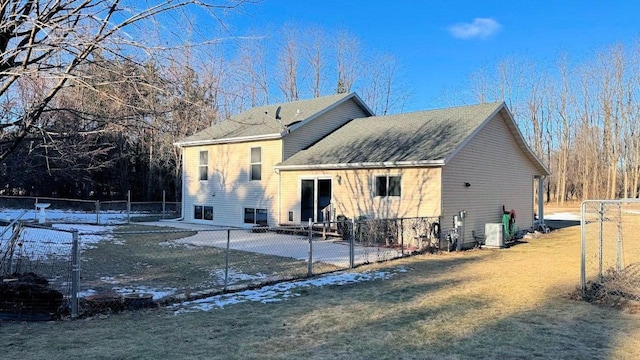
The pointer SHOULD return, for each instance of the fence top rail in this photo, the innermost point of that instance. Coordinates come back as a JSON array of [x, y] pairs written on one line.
[[146, 202], [143, 232], [36, 226], [399, 218], [39, 198], [612, 201]]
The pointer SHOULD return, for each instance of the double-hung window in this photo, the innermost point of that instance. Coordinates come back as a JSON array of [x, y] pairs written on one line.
[[256, 163], [387, 186], [204, 165]]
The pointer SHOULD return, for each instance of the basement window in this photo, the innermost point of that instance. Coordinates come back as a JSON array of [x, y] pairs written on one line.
[[255, 216], [387, 186], [202, 212]]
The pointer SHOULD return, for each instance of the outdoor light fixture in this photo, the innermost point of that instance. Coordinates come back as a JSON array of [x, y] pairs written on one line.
[[339, 179], [467, 184]]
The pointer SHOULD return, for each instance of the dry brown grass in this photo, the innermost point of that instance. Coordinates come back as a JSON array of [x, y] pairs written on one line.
[[511, 303]]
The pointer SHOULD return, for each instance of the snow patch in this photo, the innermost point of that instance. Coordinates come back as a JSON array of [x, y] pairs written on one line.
[[563, 216], [235, 276], [281, 291], [157, 293]]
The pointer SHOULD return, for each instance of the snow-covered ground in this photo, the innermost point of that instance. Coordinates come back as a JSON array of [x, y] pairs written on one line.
[[66, 216], [281, 291], [40, 243], [571, 216]]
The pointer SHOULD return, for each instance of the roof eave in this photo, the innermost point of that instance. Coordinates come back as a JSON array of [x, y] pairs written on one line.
[[229, 140], [364, 165]]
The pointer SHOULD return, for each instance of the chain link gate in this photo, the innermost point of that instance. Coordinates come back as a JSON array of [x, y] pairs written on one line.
[[610, 247]]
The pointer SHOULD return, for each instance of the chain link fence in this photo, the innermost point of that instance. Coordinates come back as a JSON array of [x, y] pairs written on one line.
[[141, 265], [610, 250], [36, 268], [79, 211]]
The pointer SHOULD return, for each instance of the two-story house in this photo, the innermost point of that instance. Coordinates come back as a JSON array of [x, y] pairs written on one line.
[[288, 163]]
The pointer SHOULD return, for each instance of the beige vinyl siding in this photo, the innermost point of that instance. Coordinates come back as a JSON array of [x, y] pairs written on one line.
[[352, 194], [229, 188], [499, 174], [316, 129]]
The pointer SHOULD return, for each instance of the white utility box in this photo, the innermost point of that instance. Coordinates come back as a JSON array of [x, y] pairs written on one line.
[[493, 236]]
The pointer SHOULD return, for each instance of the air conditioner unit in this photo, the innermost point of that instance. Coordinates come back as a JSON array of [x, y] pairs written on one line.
[[493, 235]]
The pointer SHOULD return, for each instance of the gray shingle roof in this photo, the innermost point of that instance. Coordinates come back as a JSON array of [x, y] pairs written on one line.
[[419, 136], [261, 120]]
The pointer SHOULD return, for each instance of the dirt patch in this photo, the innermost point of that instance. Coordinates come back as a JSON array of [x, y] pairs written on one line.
[[28, 297]]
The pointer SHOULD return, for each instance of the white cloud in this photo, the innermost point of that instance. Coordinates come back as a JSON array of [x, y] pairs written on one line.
[[480, 28]]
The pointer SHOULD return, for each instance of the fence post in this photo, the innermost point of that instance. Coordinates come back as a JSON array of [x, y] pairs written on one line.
[[75, 273], [401, 237], [128, 206], [619, 260], [583, 248], [600, 249], [352, 255], [310, 264], [97, 212], [164, 204], [226, 260]]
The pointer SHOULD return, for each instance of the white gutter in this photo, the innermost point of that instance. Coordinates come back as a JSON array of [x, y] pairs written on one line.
[[229, 140], [364, 165]]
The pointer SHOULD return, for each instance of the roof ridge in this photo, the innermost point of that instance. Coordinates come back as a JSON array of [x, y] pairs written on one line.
[[496, 104]]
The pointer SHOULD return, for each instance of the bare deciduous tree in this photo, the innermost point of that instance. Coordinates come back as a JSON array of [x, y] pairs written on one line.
[[51, 40]]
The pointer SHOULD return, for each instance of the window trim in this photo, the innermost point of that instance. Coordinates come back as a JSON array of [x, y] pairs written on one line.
[[387, 186], [255, 163], [203, 176]]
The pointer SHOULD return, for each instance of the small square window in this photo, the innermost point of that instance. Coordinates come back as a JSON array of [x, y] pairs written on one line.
[[249, 216], [261, 217], [198, 212], [208, 212]]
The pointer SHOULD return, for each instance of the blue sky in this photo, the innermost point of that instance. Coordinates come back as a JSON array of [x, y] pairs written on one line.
[[436, 56]]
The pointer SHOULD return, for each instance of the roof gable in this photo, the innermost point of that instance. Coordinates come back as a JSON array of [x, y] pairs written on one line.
[[261, 122]]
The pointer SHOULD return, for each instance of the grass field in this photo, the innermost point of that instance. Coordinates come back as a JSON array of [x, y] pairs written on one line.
[[154, 261], [510, 303]]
